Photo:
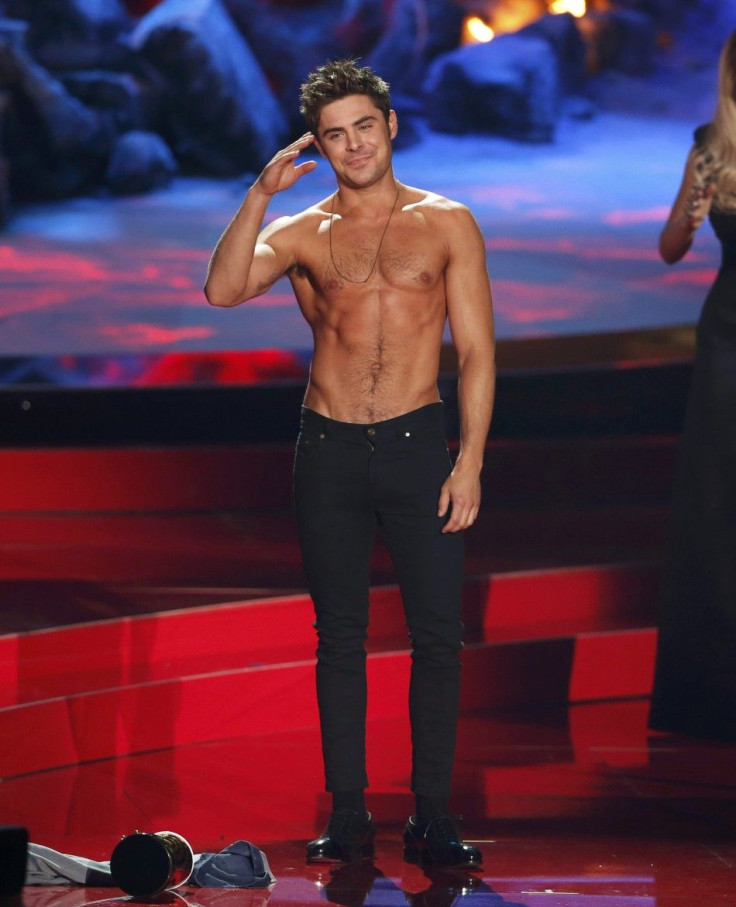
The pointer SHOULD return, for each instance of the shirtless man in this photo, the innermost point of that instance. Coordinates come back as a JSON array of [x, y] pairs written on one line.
[[376, 269]]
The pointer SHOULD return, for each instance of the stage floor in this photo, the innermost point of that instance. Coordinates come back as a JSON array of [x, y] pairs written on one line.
[[577, 807]]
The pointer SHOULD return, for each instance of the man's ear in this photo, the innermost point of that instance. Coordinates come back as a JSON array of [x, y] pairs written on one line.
[[393, 124]]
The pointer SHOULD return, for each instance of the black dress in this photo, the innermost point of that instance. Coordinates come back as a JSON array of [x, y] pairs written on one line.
[[695, 679]]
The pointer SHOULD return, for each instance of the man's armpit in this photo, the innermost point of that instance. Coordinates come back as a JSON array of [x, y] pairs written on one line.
[[296, 270]]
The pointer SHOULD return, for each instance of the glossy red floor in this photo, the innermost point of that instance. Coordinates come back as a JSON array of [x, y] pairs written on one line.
[[577, 806], [571, 804], [149, 680]]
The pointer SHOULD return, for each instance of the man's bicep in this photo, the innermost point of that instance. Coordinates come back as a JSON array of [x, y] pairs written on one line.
[[469, 303], [271, 260]]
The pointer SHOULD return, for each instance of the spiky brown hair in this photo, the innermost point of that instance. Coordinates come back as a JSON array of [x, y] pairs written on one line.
[[337, 79]]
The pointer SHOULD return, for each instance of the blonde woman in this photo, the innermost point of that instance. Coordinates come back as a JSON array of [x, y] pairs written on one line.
[[695, 683]]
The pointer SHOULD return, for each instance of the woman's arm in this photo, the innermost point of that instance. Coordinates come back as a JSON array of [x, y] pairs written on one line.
[[689, 210]]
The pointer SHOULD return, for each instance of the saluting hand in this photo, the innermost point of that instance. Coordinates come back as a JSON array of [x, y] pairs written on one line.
[[282, 171]]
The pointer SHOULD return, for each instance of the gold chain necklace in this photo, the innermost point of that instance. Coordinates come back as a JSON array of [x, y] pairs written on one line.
[[380, 242]]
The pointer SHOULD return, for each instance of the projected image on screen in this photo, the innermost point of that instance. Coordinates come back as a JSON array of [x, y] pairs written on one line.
[[130, 132]]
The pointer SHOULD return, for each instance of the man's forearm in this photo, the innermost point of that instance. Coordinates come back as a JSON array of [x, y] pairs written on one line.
[[476, 393], [231, 261]]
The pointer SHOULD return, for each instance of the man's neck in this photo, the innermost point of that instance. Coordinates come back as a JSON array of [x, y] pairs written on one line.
[[367, 198]]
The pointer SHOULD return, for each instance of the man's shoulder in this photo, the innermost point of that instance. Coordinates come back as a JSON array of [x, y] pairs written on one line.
[[444, 215], [432, 201], [307, 219]]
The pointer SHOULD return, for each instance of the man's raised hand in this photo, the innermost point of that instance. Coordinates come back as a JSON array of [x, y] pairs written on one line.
[[282, 171]]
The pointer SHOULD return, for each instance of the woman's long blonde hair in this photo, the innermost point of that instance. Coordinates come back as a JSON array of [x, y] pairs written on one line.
[[719, 153]]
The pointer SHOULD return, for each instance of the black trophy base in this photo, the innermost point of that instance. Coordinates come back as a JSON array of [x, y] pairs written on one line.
[[145, 864]]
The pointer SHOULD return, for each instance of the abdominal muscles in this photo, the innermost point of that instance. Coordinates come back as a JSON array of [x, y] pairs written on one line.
[[377, 357]]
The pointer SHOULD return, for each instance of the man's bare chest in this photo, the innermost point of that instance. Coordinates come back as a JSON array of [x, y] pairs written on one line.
[[344, 261]]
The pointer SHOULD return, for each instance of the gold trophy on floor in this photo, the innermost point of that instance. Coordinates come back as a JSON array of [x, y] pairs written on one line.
[[145, 864]]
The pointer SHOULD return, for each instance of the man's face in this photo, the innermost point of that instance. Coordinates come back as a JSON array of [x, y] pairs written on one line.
[[356, 139]]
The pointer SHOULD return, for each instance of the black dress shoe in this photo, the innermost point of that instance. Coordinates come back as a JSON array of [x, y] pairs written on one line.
[[438, 842], [349, 836]]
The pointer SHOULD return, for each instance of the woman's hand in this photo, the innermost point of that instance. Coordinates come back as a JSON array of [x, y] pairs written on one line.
[[698, 204]]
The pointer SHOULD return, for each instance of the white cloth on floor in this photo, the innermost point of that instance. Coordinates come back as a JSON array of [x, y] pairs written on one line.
[[49, 867]]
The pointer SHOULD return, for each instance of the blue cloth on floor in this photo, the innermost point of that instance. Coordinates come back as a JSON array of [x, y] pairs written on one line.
[[240, 865]]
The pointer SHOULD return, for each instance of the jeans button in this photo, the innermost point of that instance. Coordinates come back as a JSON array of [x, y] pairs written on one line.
[[371, 432]]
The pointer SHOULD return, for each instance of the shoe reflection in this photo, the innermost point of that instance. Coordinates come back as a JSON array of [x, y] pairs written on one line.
[[456, 886], [364, 885], [350, 884], [447, 887]]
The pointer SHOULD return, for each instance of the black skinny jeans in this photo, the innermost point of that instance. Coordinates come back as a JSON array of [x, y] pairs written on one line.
[[350, 478]]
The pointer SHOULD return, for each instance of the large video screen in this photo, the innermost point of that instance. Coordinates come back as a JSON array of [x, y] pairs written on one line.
[[101, 281]]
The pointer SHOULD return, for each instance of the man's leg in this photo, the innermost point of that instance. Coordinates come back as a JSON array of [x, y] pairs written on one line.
[[429, 565], [336, 528]]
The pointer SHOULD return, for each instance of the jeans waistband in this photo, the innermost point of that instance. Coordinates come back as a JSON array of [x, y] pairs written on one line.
[[429, 417]]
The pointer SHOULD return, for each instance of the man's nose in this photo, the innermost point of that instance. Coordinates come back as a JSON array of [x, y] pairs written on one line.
[[355, 140]]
